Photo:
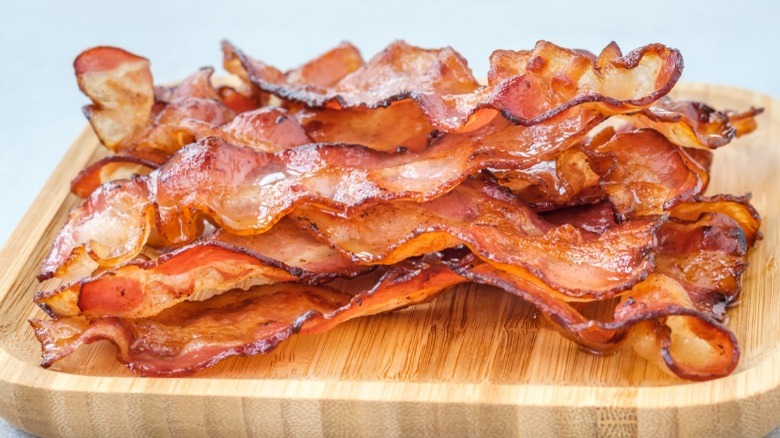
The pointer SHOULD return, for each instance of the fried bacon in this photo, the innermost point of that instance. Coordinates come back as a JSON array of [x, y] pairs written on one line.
[[694, 124], [483, 216], [111, 168], [185, 254], [120, 86], [193, 335], [642, 173], [213, 264], [702, 246], [246, 191], [154, 136], [136, 119], [656, 315], [498, 229]]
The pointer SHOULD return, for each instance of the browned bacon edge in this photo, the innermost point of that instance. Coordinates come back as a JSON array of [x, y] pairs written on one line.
[[453, 112]]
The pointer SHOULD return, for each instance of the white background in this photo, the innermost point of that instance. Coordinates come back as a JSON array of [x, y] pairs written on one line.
[[734, 43]]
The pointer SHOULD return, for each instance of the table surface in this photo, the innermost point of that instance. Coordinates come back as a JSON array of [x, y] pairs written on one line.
[[722, 42]]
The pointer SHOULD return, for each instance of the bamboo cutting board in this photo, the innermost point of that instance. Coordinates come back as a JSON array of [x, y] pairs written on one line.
[[475, 361]]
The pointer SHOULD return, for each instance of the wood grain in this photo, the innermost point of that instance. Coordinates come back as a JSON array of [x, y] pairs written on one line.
[[473, 362]]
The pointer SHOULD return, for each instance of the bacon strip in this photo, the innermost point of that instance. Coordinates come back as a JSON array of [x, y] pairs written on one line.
[[695, 124], [132, 117], [735, 207], [526, 87], [247, 191], [216, 263], [690, 343], [266, 129], [703, 246], [120, 86], [194, 335], [707, 257], [499, 229]]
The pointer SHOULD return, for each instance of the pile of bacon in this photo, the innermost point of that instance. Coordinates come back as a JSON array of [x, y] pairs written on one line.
[[225, 211]]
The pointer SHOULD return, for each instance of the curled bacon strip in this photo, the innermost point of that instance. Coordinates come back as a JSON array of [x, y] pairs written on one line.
[[500, 230], [526, 87], [216, 263], [134, 118], [267, 129], [120, 86], [194, 335], [694, 124]]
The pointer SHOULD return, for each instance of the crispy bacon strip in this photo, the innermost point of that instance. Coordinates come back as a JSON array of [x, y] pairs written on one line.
[[120, 219], [499, 229], [707, 257], [658, 297], [132, 117], [689, 343], [694, 124], [703, 246], [526, 87], [214, 264], [640, 172], [736, 207], [194, 335], [120, 86], [402, 124], [323, 71], [246, 191], [567, 180]]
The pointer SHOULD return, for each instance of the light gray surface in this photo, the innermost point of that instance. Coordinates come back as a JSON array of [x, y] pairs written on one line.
[[723, 42]]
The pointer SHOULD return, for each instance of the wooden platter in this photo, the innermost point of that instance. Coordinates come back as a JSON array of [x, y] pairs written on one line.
[[473, 362]]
